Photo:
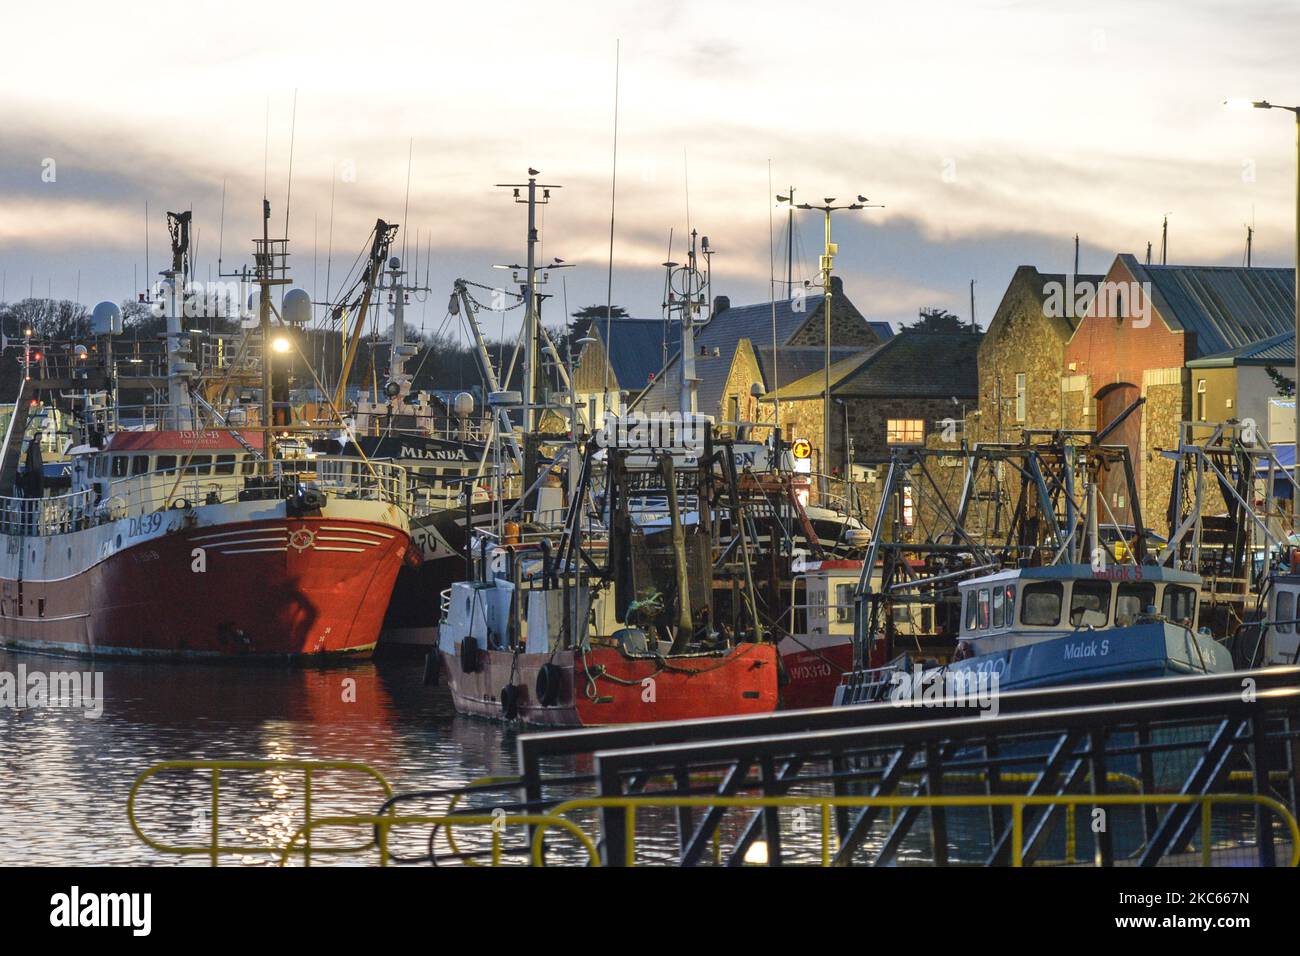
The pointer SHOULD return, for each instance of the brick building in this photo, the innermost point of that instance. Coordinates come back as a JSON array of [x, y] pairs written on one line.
[[1137, 339]]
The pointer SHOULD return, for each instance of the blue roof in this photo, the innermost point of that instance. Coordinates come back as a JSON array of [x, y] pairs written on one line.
[[717, 341], [636, 347], [1224, 307], [754, 322]]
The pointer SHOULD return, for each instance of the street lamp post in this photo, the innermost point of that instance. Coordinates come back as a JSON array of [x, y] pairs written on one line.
[[1295, 111], [827, 262]]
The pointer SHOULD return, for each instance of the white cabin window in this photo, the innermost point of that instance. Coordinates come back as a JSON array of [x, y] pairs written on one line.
[[121, 464], [1011, 604], [1090, 604], [843, 603], [984, 608], [970, 611], [1284, 615], [1042, 604], [999, 607], [1179, 604], [1133, 599], [199, 465], [140, 465]]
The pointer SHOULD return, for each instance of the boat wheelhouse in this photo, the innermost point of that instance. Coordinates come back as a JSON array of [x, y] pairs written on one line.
[[1278, 639], [1071, 623], [1021, 605]]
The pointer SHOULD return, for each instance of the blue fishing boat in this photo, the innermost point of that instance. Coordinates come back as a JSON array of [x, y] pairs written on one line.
[[1072, 623]]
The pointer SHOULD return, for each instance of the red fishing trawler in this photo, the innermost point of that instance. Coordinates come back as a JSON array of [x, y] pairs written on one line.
[[179, 528]]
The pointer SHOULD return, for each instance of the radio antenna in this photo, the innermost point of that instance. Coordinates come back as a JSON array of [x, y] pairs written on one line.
[[613, 194]]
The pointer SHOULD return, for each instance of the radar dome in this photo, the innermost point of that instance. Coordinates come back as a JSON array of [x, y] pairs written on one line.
[[463, 405], [296, 308], [107, 319]]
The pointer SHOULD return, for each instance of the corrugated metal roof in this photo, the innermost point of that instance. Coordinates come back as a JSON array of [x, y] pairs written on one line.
[[1225, 307], [1275, 350]]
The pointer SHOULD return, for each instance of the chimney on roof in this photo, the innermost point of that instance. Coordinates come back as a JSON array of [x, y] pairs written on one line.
[[721, 303]]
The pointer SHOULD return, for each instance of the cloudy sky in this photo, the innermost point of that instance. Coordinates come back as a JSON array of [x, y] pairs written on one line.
[[992, 132]]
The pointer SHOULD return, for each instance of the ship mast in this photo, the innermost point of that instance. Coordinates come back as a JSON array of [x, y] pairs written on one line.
[[176, 281], [528, 288], [271, 265], [685, 297]]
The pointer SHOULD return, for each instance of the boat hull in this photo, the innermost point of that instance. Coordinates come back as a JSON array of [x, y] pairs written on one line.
[[813, 670], [244, 581], [438, 540], [603, 686], [1123, 653]]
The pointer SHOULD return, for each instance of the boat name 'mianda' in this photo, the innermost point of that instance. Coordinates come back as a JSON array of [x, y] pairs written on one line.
[[72, 689], [946, 688]]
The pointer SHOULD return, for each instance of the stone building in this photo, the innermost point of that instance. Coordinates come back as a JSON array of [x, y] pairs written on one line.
[[736, 362], [1022, 354], [904, 391]]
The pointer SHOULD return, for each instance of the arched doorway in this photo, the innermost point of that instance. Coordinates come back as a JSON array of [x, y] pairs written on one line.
[[1111, 402]]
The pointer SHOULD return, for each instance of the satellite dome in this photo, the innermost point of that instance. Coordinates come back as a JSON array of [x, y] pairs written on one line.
[[463, 405], [394, 263], [107, 319], [296, 307]]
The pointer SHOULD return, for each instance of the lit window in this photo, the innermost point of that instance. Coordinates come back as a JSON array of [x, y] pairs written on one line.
[[905, 431]]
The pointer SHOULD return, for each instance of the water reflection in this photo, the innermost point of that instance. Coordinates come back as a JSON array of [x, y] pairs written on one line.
[[64, 777]]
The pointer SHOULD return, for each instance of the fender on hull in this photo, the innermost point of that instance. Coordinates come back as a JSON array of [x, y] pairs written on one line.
[[603, 686]]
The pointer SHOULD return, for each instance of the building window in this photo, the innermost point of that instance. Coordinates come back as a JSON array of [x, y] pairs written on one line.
[[1200, 399], [1020, 396], [905, 431]]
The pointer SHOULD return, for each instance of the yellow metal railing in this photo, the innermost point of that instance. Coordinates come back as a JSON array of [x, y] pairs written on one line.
[[497, 823], [214, 849], [383, 824], [1016, 802]]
